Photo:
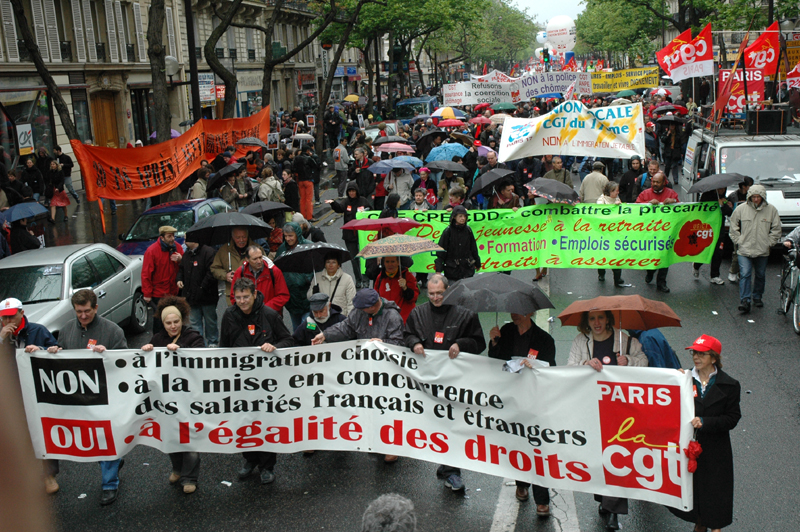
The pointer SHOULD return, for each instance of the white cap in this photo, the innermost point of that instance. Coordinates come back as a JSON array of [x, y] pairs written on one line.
[[10, 306]]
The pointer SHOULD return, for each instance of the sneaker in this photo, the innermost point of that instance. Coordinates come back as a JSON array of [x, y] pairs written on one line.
[[619, 282], [50, 485], [247, 470], [267, 476], [733, 277], [696, 273], [717, 280], [744, 306], [454, 482]]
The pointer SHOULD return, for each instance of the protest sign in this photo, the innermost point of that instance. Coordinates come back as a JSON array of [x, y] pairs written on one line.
[[531, 85], [126, 174], [575, 129], [537, 84], [475, 92], [634, 78], [755, 88], [631, 236], [618, 432]]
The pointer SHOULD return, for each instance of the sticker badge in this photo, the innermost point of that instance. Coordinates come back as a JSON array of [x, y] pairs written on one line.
[[606, 360], [91, 344], [195, 263], [694, 389], [349, 208], [438, 337], [533, 353], [252, 329], [370, 321]]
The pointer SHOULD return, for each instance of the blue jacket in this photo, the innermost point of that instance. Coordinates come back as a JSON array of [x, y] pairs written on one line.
[[658, 351], [35, 334]]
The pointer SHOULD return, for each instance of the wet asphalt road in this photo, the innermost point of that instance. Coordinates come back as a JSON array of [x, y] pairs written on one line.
[[329, 491]]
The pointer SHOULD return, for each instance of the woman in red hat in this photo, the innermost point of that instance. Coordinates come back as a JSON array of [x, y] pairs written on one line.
[[716, 407]]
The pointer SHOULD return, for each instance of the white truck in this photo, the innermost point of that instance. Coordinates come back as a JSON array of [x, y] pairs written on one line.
[[771, 160]]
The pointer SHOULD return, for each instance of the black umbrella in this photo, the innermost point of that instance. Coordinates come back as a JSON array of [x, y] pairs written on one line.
[[716, 181], [251, 141], [189, 122], [215, 180], [424, 141], [310, 258], [447, 165], [555, 191], [286, 132], [489, 178], [494, 292], [391, 138], [216, 229], [670, 119], [258, 209]]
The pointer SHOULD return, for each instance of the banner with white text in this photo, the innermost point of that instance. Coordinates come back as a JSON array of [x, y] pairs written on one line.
[[573, 129], [618, 432]]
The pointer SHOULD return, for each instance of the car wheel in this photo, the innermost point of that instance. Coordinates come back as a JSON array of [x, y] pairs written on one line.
[[138, 320]]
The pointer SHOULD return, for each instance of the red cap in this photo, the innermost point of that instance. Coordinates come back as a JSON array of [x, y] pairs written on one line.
[[706, 343], [477, 143], [650, 124]]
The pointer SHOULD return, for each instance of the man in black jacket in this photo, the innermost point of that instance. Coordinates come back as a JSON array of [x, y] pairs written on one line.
[[322, 316], [250, 323], [433, 325], [351, 205], [460, 257], [200, 290]]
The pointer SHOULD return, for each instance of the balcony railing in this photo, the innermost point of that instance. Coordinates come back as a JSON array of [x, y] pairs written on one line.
[[100, 47], [66, 51], [131, 53]]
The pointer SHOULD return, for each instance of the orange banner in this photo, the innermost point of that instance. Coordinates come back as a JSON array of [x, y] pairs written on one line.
[[127, 174]]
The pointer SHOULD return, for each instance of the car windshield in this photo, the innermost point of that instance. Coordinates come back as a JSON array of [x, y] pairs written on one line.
[[410, 110], [32, 284], [146, 227], [762, 163]]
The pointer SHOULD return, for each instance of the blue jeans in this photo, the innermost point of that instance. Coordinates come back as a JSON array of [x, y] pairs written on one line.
[[203, 319], [110, 472], [747, 266], [70, 188]]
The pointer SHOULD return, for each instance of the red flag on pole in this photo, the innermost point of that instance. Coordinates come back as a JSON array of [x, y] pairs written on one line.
[[484, 69], [793, 77], [764, 52], [685, 57]]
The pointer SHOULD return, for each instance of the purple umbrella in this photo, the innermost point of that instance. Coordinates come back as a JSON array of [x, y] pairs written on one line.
[[172, 134], [483, 150]]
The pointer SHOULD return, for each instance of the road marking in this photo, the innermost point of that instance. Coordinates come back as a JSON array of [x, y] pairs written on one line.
[[505, 513], [564, 513]]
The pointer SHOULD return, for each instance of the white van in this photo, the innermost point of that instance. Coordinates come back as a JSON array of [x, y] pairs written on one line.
[[771, 160]]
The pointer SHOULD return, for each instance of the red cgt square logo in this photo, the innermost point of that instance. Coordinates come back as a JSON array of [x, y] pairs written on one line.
[[640, 431], [78, 437]]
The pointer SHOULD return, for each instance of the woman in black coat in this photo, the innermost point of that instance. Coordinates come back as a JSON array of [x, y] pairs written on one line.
[[32, 177], [460, 257], [174, 312], [716, 407]]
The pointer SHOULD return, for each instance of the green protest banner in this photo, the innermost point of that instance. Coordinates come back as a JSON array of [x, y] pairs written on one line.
[[630, 236]]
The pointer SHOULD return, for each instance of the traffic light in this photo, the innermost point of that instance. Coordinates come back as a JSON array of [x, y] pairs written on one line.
[[546, 55]]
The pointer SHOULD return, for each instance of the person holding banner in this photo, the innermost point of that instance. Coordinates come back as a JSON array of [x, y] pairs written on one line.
[[600, 344], [658, 194], [174, 312], [460, 258], [250, 323], [98, 334], [433, 325], [717, 411]]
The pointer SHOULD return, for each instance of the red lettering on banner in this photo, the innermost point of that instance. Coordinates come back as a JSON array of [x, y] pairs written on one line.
[[416, 438], [552, 466], [78, 437], [640, 433]]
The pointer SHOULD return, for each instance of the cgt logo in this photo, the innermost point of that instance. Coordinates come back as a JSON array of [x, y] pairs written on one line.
[[78, 437], [640, 430], [694, 237], [70, 381]]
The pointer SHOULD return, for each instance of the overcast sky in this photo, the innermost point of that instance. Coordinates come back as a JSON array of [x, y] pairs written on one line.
[[544, 11]]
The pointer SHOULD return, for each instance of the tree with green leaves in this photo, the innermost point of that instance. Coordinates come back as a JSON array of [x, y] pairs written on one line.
[[616, 29]]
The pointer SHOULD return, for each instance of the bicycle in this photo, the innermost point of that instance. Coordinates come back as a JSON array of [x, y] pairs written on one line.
[[790, 289]]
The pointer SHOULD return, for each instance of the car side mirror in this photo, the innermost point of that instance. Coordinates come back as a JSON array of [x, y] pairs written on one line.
[[121, 236]]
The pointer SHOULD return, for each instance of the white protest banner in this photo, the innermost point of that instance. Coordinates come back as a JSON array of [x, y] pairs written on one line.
[[494, 76], [475, 92], [531, 85], [535, 84], [574, 129], [618, 432]]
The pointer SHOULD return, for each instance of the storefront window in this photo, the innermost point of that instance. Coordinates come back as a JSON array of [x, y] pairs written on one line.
[[30, 111], [80, 114]]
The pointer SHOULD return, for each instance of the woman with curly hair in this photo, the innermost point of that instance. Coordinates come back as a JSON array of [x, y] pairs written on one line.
[[174, 312]]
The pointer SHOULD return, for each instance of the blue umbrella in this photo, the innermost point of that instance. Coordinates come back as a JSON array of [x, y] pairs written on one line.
[[446, 152], [413, 161], [384, 167], [23, 210]]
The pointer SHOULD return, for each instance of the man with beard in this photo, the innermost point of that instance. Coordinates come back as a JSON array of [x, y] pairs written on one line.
[[231, 256], [323, 315]]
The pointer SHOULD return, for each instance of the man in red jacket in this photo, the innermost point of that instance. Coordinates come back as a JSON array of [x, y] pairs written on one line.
[[658, 194], [160, 270], [268, 278]]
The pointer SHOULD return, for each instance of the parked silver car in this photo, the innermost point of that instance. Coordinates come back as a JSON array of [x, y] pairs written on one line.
[[45, 279]]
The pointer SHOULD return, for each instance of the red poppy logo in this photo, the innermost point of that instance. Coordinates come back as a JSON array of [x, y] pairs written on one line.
[[695, 236]]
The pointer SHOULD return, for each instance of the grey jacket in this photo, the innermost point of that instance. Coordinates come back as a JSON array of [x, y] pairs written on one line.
[[755, 230], [102, 331], [388, 326]]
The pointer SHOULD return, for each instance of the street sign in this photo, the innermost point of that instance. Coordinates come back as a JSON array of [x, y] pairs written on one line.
[[221, 92], [25, 138]]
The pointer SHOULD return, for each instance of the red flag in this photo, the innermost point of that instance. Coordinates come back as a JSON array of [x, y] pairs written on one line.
[[572, 66], [793, 77], [484, 69], [764, 52], [725, 90], [599, 66], [685, 58]]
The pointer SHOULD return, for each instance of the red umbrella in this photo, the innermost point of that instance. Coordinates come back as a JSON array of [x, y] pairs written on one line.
[[630, 312], [451, 122], [480, 119], [398, 225], [393, 147], [481, 106]]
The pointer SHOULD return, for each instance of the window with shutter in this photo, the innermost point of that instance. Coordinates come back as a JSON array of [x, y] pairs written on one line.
[[89, 29], [112, 31], [52, 22], [123, 43], [77, 26], [171, 33], [39, 28], [9, 30], [137, 20]]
